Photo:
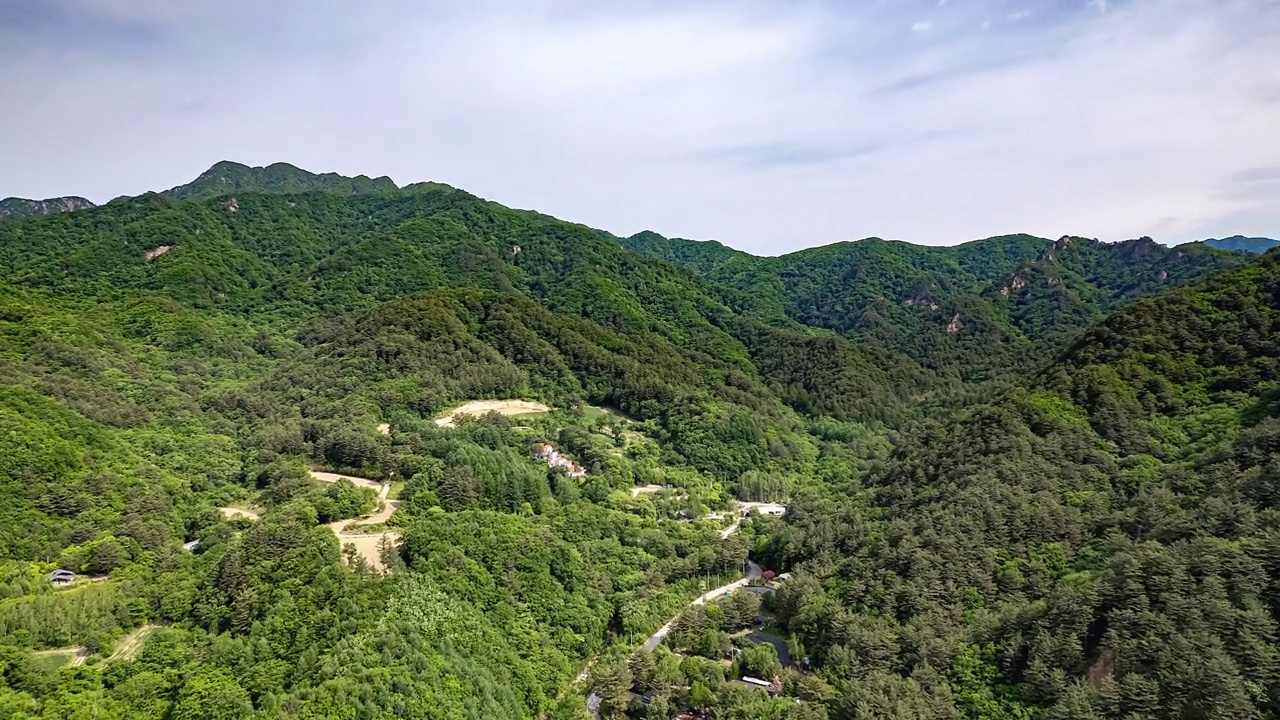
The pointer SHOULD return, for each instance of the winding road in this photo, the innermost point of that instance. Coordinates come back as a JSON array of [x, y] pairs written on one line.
[[753, 571], [368, 544]]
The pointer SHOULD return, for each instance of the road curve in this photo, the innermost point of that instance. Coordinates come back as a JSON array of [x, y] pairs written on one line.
[[753, 571]]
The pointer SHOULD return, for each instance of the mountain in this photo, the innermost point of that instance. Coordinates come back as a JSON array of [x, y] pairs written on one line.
[[971, 311], [1240, 243], [226, 177], [21, 209], [1094, 536], [161, 359]]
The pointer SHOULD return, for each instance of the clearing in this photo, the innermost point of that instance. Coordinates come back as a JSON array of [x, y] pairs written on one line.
[[130, 644], [63, 657], [502, 407], [335, 477], [645, 490], [231, 513], [744, 507]]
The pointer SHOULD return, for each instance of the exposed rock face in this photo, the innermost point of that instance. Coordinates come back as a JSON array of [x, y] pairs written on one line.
[[956, 325], [21, 208]]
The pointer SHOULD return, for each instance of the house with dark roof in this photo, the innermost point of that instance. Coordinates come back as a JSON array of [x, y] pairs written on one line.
[[60, 578]]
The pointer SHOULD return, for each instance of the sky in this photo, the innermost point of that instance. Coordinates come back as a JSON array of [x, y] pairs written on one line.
[[769, 126]]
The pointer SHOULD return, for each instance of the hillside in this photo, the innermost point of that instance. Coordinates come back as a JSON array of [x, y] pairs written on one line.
[[1240, 243], [972, 311], [21, 209], [1101, 543]]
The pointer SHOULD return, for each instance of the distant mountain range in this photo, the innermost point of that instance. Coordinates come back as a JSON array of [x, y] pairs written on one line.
[[971, 311], [21, 208], [1240, 243]]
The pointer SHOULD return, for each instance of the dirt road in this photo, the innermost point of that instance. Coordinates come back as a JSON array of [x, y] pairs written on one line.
[[367, 544], [130, 644], [78, 654], [753, 571]]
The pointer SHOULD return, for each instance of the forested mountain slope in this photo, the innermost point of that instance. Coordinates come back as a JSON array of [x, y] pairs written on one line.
[[228, 177], [973, 311], [1102, 543], [162, 359]]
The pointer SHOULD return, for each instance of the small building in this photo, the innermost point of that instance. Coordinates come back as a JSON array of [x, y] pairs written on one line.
[[61, 578], [191, 546], [774, 689]]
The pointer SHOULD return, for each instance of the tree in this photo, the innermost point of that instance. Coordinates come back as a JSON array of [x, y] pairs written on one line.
[[212, 695], [612, 681]]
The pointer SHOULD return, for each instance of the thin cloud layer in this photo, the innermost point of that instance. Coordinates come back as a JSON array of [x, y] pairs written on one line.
[[767, 126]]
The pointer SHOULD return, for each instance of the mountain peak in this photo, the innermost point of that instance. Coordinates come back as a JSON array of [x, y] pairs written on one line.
[[226, 177]]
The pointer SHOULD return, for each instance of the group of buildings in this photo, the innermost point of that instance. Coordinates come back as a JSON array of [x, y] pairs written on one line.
[[554, 458]]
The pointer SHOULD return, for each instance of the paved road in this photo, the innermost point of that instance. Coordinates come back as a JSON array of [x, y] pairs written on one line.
[[753, 571]]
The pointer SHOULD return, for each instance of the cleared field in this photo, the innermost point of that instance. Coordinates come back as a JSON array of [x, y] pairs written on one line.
[[231, 513], [130, 644], [62, 657], [335, 477], [502, 407]]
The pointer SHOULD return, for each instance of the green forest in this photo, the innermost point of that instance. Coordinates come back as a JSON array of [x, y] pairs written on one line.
[[1018, 478]]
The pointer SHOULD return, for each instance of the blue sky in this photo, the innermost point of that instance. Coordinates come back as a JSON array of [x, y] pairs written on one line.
[[767, 126]]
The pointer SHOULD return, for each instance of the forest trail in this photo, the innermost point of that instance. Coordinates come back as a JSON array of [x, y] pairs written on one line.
[[645, 490], [502, 407], [130, 644], [367, 544]]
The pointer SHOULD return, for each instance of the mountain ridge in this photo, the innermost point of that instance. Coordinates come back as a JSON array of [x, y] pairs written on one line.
[[1240, 243], [16, 208], [227, 177], [962, 309]]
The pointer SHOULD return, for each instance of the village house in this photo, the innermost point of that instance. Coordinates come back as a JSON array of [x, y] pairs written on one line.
[[552, 457], [61, 578]]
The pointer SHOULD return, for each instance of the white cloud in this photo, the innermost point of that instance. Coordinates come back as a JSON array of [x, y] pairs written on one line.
[[766, 129], [921, 26]]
